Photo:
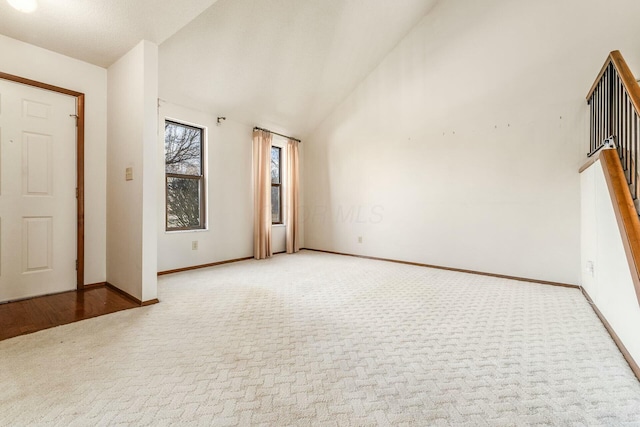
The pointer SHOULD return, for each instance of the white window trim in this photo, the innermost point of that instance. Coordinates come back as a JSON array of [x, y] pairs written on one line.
[[205, 174]]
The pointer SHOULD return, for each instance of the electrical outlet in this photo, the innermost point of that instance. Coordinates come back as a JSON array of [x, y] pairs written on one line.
[[194, 245], [128, 174], [359, 239]]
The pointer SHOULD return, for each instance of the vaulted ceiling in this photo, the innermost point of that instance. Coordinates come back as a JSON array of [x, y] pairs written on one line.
[[282, 64]]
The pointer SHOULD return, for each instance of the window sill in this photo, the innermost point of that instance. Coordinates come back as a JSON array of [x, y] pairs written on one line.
[[278, 225], [199, 230]]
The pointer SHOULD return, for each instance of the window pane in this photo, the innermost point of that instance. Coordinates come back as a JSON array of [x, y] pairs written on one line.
[[183, 203], [183, 148], [275, 205], [275, 165]]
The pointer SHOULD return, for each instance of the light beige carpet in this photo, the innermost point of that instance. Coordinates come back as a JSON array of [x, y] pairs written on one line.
[[318, 339]]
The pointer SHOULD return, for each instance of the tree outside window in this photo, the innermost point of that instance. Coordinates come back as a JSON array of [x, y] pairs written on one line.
[[184, 147]]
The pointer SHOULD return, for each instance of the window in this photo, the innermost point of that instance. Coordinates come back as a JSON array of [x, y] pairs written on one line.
[[184, 176], [276, 185]]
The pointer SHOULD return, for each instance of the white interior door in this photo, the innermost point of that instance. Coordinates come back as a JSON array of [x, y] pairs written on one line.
[[38, 222]]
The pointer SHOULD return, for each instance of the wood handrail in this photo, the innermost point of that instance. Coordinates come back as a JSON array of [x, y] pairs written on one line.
[[626, 77], [625, 212]]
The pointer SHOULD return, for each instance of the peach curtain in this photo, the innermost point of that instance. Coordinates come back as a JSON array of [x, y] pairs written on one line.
[[261, 194], [292, 191]]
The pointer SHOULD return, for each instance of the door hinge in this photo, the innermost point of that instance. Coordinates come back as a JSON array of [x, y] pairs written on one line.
[[77, 194], [76, 264]]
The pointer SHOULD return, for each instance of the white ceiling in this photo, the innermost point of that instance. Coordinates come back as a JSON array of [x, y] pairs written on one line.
[[281, 64], [98, 31]]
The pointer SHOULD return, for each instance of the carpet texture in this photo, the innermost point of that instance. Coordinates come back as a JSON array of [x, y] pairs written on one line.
[[326, 340]]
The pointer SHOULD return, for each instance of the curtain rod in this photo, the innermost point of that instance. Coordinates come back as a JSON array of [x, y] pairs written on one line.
[[276, 133]]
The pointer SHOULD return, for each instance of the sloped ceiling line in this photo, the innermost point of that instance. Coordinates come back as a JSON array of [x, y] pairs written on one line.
[[282, 64]]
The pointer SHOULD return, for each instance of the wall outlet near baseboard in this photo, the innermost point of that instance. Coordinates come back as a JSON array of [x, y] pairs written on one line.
[[359, 239], [194, 245], [590, 268]]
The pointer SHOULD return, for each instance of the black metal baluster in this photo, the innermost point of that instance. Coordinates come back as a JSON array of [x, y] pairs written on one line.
[[623, 130], [625, 133], [619, 100], [614, 109], [609, 102], [603, 109], [618, 111], [629, 131], [592, 119], [596, 135], [635, 156]]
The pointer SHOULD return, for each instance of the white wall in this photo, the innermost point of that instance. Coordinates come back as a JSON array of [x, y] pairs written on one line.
[[35, 63], [461, 148], [229, 234], [609, 281], [131, 205]]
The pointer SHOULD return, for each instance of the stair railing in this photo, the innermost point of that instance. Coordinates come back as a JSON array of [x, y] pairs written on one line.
[[614, 106]]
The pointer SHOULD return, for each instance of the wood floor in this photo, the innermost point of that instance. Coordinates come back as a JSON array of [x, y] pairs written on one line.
[[35, 314]]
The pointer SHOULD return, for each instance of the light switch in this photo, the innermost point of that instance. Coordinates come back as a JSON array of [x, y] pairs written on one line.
[[128, 174], [590, 268]]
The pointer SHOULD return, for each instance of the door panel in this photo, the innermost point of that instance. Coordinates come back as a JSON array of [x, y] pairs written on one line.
[[38, 222], [36, 165], [37, 244]]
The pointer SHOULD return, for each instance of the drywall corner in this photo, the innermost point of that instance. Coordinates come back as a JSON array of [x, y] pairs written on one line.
[[131, 191]]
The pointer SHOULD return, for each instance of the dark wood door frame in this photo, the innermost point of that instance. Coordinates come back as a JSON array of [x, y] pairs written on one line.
[[79, 162]]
